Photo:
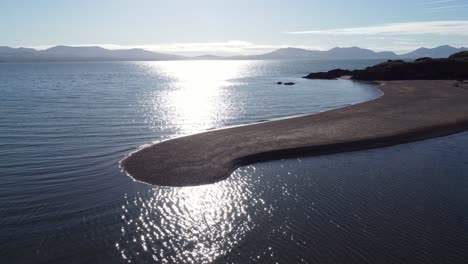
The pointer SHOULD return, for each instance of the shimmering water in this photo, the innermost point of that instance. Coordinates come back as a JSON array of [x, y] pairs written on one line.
[[63, 199]]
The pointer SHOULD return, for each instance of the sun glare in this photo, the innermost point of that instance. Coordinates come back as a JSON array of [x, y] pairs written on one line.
[[196, 99], [194, 224]]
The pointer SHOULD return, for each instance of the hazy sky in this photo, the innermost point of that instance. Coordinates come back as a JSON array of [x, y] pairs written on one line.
[[234, 27]]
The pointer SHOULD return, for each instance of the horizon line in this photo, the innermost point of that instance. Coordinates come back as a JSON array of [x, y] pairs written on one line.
[[266, 49]]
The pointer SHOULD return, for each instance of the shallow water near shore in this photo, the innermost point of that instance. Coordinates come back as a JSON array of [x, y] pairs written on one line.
[[63, 199]]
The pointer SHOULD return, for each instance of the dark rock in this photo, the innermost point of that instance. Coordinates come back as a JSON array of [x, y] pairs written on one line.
[[423, 59], [460, 55], [289, 83], [333, 74], [279, 83], [426, 69], [395, 61]]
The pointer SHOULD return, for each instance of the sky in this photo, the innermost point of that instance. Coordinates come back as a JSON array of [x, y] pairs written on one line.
[[229, 27]]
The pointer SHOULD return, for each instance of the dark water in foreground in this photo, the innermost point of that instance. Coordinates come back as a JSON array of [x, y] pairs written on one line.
[[63, 199]]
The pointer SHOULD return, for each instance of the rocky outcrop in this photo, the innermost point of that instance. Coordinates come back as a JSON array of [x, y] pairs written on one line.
[[333, 74], [455, 67], [423, 59], [460, 55]]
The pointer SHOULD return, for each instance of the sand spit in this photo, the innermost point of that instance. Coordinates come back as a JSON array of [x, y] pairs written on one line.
[[408, 111]]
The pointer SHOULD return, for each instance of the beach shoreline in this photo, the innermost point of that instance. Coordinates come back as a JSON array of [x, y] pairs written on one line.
[[407, 111]]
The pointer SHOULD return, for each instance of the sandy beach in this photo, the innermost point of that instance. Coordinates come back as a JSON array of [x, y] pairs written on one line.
[[408, 111]]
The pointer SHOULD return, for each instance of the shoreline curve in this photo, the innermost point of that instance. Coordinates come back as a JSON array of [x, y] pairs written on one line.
[[407, 111]]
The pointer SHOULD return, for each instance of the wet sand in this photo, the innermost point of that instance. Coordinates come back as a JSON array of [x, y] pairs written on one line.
[[408, 111]]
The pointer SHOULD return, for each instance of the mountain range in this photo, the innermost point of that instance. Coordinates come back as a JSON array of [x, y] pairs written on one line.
[[94, 53]]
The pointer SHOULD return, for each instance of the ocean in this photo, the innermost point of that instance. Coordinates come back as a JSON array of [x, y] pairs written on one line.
[[64, 127]]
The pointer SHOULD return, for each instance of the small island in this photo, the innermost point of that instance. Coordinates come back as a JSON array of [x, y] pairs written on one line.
[[422, 99]]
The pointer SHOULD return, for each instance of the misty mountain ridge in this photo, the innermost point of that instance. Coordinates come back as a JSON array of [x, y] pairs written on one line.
[[437, 52], [89, 53], [96, 53]]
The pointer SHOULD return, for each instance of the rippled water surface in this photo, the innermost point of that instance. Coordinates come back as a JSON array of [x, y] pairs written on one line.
[[63, 199]]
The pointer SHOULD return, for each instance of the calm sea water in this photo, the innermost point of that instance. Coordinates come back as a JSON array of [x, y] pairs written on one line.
[[63, 199]]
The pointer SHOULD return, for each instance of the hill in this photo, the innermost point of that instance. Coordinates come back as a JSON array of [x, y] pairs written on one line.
[[332, 54], [437, 52], [91, 53]]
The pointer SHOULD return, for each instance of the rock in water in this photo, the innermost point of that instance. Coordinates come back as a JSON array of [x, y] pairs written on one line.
[[333, 74]]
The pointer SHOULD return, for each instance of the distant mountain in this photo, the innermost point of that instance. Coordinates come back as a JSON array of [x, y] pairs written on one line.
[[351, 53], [333, 54], [98, 53], [94, 53], [8, 54], [284, 54], [77, 51], [355, 52], [438, 52], [7, 50]]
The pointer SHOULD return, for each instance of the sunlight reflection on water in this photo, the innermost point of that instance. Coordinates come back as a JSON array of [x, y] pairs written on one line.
[[190, 224], [196, 100]]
